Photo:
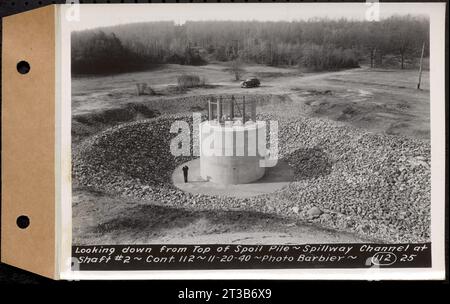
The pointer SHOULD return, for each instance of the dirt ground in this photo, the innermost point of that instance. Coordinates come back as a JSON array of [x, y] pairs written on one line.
[[380, 101], [102, 219]]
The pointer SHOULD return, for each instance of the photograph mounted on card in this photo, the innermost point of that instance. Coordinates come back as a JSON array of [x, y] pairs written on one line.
[[292, 142]]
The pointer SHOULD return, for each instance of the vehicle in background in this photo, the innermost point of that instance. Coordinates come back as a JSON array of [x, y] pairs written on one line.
[[251, 82]]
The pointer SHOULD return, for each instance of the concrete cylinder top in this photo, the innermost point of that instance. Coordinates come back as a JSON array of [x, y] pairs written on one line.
[[230, 153]]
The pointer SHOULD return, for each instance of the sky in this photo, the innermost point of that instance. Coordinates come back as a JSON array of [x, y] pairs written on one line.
[[100, 15]]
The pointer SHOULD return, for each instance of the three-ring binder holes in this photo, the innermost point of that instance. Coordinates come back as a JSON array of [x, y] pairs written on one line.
[[23, 67], [23, 222]]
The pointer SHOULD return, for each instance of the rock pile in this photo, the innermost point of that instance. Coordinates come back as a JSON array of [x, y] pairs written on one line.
[[375, 185]]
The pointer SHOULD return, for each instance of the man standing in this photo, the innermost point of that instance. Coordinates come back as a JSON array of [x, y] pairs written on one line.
[[185, 173]]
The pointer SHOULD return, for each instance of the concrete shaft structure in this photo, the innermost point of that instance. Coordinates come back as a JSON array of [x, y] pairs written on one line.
[[229, 151]]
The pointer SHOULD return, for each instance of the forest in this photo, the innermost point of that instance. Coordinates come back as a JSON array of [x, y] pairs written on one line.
[[317, 44]]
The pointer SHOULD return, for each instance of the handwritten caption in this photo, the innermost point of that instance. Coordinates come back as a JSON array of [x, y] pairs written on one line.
[[142, 257]]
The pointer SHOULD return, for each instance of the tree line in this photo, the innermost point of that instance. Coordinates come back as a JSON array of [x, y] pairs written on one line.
[[318, 44]]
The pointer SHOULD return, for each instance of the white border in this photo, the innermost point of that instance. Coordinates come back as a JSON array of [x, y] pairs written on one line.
[[436, 12], [65, 120], [437, 121]]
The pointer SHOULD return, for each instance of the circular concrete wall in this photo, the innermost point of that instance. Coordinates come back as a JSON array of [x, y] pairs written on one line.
[[229, 153]]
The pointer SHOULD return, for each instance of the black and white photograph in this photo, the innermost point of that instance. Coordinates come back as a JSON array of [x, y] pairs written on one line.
[[248, 142], [253, 125]]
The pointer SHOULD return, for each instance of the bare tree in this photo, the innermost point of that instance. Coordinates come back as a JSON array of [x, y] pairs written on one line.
[[405, 37], [141, 45], [236, 69]]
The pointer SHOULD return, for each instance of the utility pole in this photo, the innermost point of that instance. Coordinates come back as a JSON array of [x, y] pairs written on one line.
[[420, 68]]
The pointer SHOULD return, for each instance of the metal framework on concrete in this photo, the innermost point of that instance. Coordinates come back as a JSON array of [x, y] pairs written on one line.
[[231, 109]]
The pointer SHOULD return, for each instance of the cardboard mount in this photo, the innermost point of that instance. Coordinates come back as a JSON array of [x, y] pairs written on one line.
[[28, 142]]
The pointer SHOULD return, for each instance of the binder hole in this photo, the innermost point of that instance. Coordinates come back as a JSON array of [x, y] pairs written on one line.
[[23, 67], [23, 221]]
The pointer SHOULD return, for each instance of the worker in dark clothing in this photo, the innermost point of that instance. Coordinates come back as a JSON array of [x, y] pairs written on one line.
[[185, 173]]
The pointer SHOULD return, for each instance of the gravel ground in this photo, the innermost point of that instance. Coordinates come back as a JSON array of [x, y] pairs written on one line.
[[377, 186]]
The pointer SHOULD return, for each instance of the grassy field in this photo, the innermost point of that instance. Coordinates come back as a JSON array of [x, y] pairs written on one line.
[[380, 101]]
